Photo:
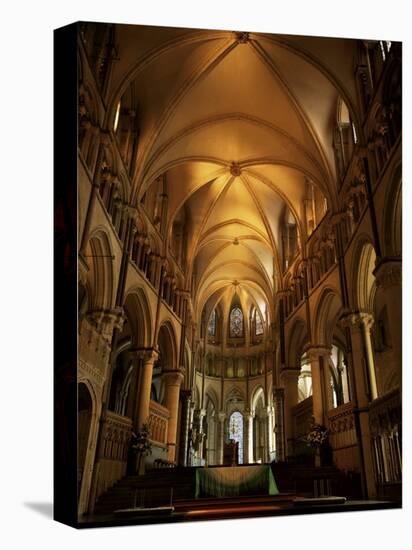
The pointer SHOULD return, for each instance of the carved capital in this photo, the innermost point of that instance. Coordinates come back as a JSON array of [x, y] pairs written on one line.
[[221, 416], [288, 375], [278, 394], [173, 377], [147, 355], [106, 320], [105, 138], [314, 352], [132, 212], [357, 320]]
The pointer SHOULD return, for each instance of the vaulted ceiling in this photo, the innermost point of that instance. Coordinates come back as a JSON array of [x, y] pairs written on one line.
[[238, 123]]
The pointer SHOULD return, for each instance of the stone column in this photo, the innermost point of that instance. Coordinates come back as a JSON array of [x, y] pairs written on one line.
[[314, 354], [278, 399], [201, 416], [221, 437], [249, 430], [184, 427], [327, 387], [173, 380], [289, 379], [265, 424], [361, 396], [270, 430], [149, 357], [366, 321]]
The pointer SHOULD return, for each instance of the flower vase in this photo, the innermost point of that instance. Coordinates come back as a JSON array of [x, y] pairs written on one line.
[[140, 464], [317, 457]]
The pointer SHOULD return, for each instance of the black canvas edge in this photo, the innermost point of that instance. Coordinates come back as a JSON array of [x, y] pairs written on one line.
[[65, 274]]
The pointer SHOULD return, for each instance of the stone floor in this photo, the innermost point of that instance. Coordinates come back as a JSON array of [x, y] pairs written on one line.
[[213, 509]]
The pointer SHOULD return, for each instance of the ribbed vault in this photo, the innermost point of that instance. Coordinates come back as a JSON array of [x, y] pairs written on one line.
[[238, 125]]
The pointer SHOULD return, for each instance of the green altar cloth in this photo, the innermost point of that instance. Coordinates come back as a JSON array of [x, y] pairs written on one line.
[[235, 481]]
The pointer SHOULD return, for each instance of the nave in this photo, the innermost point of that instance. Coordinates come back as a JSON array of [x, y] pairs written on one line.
[[240, 257]]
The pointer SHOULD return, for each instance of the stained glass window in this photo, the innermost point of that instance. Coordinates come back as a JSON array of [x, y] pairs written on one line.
[[258, 324], [236, 323], [236, 431], [211, 329]]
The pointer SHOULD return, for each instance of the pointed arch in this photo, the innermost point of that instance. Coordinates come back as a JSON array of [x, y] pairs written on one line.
[[99, 257], [363, 283], [167, 345], [392, 215], [327, 312], [257, 393], [138, 312], [298, 337]]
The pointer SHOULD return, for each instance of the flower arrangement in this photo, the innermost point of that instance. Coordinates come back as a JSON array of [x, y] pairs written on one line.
[[141, 446], [317, 435], [140, 442]]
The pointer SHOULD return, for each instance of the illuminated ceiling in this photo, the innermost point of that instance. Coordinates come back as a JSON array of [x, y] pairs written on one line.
[[238, 123]]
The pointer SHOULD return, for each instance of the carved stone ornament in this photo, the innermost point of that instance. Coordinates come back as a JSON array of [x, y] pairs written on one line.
[[356, 320], [235, 169], [242, 37], [388, 274]]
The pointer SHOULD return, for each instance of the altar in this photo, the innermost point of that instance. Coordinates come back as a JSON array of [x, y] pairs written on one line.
[[227, 481]]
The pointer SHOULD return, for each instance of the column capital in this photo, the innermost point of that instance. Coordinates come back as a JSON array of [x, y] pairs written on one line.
[[173, 377], [314, 351], [147, 355], [289, 374], [186, 394], [278, 393], [221, 416], [105, 320], [357, 320]]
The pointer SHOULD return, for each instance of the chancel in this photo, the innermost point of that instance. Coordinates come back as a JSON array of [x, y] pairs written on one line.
[[240, 256]]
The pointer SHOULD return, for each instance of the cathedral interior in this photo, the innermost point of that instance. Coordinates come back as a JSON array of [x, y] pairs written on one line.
[[240, 256]]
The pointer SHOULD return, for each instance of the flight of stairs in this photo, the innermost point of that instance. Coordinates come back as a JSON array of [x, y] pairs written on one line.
[[311, 481], [165, 486], [158, 487]]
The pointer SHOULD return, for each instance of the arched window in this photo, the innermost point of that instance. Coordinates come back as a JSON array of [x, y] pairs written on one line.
[[211, 329], [236, 432], [258, 324], [236, 323]]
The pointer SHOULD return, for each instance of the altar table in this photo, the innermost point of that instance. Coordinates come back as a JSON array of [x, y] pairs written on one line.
[[235, 481]]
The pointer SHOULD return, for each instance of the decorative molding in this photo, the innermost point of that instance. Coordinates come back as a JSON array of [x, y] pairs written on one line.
[[93, 372]]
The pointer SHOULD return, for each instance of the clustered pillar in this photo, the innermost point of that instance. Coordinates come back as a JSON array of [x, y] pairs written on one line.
[[289, 378], [173, 380], [143, 405], [364, 385], [185, 396]]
